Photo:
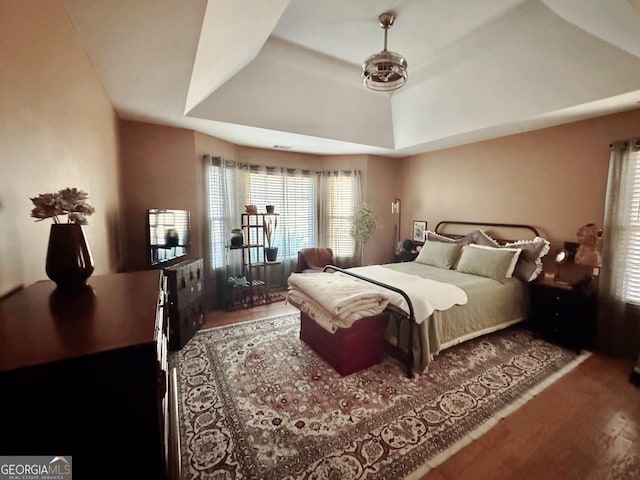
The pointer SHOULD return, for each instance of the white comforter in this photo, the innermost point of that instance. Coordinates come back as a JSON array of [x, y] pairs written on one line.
[[426, 295], [335, 300]]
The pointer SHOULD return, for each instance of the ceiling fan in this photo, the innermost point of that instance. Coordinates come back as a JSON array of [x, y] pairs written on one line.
[[386, 70]]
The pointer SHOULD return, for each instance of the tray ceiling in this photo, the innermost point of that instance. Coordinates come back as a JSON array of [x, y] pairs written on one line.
[[288, 73]]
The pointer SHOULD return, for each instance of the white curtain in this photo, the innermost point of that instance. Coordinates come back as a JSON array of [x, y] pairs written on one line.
[[619, 285], [225, 187]]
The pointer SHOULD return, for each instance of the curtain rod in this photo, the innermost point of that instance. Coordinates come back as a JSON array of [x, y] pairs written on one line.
[[274, 168], [625, 143]]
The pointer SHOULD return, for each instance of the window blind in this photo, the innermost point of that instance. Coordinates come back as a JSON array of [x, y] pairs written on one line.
[[631, 233], [339, 209], [216, 216], [294, 195]]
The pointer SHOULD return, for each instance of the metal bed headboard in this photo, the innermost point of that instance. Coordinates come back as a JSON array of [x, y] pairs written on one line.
[[517, 226]]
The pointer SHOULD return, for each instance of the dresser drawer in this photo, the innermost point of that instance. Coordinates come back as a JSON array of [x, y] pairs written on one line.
[[185, 322], [185, 282], [563, 314]]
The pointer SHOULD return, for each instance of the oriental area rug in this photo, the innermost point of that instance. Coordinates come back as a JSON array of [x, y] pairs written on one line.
[[256, 402]]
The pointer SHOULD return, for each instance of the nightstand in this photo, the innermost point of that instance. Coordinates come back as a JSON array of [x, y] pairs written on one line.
[[563, 313]]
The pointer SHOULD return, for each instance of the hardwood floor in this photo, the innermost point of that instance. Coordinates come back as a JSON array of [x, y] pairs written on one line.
[[584, 426]]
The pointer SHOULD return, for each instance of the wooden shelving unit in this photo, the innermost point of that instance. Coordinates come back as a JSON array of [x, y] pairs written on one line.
[[256, 290]]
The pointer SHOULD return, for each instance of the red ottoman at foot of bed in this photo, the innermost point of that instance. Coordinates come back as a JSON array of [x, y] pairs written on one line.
[[348, 350]]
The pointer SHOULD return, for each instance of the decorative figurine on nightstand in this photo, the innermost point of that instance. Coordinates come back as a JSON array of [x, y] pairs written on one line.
[[588, 252]]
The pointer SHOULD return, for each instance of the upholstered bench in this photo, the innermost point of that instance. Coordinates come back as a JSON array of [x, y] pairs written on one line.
[[348, 350]]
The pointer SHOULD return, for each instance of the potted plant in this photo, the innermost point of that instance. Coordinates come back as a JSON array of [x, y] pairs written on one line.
[[69, 261], [270, 222], [363, 224]]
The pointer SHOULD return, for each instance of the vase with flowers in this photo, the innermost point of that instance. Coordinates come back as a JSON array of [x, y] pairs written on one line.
[[69, 262], [269, 223]]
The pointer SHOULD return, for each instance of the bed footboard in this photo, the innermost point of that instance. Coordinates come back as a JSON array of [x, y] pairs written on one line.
[[394, 313]]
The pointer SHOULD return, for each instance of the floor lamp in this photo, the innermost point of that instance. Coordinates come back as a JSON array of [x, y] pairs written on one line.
[[395, 209]]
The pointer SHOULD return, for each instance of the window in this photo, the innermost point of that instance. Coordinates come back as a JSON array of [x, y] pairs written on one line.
[[340, 205], [216, 216], [630, 232], [294, 196], [619, 282], [293, 193]]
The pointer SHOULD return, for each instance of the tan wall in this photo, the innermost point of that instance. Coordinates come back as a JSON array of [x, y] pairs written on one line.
[[382, 183], [553, 178], [159, 170], [58, 129]]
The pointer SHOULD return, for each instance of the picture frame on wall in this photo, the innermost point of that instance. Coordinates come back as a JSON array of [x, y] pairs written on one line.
[[419, 231]]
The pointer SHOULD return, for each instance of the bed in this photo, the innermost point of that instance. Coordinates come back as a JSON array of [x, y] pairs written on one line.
[[479, 283]]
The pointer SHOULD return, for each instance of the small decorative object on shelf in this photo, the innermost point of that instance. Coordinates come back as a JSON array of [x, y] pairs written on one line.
[[270, 209], [69, 262], [237, 237], [270, 222], [251, 209]]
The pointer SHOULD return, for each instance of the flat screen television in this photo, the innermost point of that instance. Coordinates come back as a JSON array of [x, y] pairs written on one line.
[[168, 234]]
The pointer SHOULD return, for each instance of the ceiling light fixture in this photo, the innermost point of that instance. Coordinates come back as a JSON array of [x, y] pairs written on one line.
[[385, 71]]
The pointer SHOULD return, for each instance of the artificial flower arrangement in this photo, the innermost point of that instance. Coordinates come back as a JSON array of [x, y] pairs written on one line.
[[68, 201]]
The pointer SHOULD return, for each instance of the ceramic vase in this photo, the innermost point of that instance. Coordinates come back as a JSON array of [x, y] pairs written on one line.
[[69, 261]]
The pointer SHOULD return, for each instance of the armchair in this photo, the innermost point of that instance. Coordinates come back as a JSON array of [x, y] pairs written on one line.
[[314, 259]]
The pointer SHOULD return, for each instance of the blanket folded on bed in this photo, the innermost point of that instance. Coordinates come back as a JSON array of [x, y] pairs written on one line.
[[333, 299], [425, 295]]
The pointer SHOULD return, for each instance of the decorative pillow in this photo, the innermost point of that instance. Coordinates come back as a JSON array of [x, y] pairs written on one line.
[[478, 237], [529, 263], [434, 237], [439, 254], [496, 263]]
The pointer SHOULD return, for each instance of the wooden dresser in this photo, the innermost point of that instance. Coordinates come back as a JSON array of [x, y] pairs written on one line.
[[85, 375], [185, 305]]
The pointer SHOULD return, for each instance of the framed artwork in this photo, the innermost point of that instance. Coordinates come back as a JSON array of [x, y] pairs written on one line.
[[419, 231]]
